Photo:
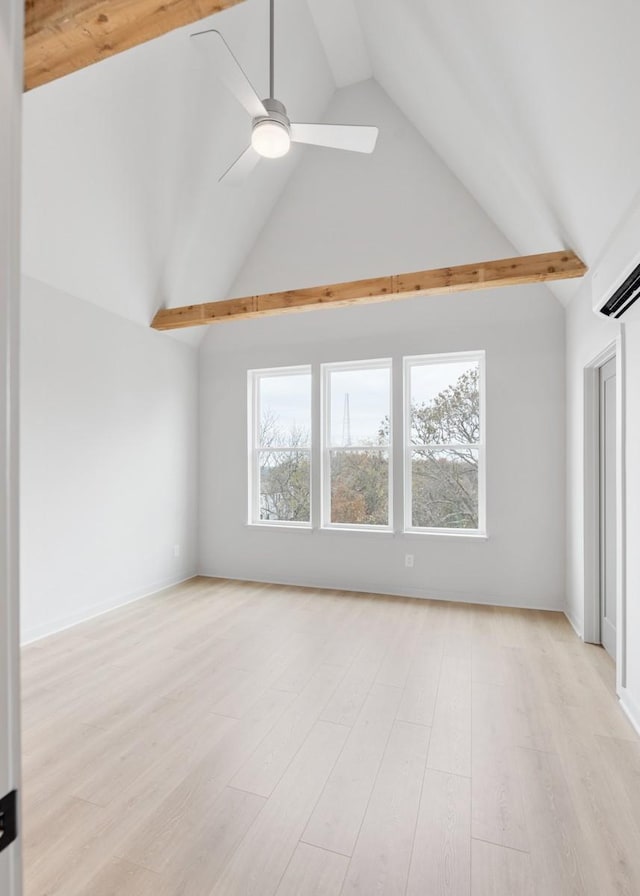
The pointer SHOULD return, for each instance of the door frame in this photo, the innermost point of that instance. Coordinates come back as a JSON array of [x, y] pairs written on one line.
[[11, 49], [592, 578], [607, 493]]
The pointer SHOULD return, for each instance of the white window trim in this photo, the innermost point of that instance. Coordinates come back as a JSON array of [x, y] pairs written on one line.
[[326, 448], [408, 448], [254, 450], [399, 458]]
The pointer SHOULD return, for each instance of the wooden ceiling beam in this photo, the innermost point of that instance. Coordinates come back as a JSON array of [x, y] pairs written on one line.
[[62, 36], [464, 278]]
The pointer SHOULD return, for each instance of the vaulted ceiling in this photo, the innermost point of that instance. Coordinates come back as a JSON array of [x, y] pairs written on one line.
[[122, 205], [531, 106]]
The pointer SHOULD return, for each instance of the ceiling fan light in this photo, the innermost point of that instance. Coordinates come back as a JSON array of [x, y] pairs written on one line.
[[270, 139]]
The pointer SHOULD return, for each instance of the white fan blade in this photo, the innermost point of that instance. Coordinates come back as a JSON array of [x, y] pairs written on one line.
[[355, 138], [242, 167], [230, 72]]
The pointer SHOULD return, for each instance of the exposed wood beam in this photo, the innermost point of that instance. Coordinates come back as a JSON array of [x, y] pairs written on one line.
[[464, 278], [62, 36]]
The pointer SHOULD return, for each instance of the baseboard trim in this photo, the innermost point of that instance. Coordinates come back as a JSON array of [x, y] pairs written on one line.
[[65, 622], [574, 625], [392, 591], [630, 708]]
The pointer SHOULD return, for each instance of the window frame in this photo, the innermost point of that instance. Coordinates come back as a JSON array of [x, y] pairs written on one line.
[[408, 362], [255, 450], [326, 448]]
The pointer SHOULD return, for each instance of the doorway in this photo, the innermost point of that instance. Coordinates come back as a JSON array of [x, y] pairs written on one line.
[[607, 471], [604, 526]]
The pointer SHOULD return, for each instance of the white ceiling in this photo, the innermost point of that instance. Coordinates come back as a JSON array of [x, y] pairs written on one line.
[[122, 205], [531, 105], [339, 29]]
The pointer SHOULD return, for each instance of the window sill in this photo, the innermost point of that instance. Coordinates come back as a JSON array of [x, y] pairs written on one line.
[[447, 533], [358, 530], [290, 527]]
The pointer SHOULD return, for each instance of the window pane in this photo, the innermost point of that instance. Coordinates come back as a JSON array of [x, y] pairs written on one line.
[[285, 484], [445, 488], [285, 410], [360, 487], [445, 403], [359, 407]]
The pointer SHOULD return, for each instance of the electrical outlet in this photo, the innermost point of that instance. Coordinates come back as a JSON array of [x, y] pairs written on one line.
[[176, 550], [408, 561]]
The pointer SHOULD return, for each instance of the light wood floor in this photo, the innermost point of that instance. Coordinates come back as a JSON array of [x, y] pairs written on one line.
[[224, 739]]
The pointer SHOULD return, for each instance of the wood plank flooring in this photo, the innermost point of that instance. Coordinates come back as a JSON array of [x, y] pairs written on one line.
[[227, 738]]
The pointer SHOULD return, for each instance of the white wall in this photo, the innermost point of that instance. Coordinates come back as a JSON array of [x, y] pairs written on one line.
[[631, 695], [587, 337], [108, 456], [346, 216]]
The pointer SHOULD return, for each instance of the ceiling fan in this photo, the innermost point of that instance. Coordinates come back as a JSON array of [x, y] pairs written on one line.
[[272, 133]]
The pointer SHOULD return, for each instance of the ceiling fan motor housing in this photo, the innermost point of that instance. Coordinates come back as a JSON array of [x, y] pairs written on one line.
[[271, 133], [277, 112]]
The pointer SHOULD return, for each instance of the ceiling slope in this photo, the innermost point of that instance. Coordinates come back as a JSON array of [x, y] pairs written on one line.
[[339, 29], [523, 102], [122, 205], [342, 217], [532, 106]]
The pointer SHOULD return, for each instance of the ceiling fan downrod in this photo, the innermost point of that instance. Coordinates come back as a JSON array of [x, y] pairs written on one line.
[[272, 67]]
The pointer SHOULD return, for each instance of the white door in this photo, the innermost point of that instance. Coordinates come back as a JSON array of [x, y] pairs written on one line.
[[10, 99], [608, 514]]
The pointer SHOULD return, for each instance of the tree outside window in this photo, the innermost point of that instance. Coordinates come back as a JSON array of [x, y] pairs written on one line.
[[443, 450], [444, 444]]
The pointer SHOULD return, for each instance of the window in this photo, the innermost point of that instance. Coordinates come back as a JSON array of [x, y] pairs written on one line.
[[280, 447], [356, 462], [345, 441], [444, 443]]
